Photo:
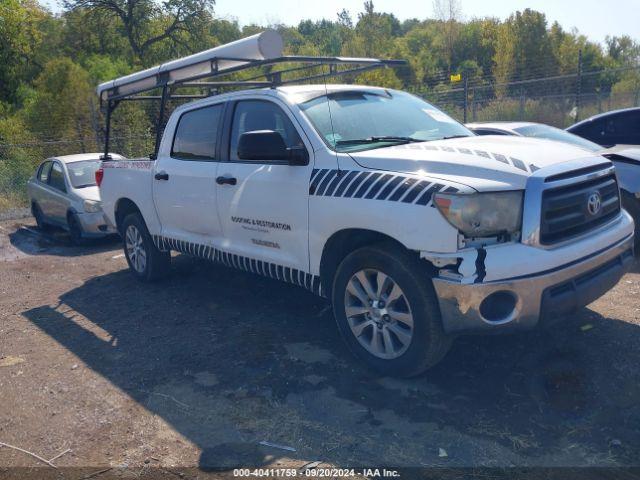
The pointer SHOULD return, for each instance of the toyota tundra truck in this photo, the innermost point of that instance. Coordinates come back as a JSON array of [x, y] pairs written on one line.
[[415, 229]]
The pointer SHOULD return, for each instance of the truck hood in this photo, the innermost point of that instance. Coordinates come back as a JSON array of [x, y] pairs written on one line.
[[485, 163]]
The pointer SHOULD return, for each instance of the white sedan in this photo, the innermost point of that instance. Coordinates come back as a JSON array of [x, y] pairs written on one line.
[[63, 193]]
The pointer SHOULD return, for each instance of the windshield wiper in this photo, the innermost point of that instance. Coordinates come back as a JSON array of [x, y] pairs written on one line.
[[85, 185], [384, 138], [454, 136]]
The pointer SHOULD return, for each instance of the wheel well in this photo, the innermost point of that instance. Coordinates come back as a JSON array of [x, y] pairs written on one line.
[[124, 207], [341, 244]]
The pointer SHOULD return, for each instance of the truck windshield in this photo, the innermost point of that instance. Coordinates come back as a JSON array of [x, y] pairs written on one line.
[[83, 174], [362, 120]]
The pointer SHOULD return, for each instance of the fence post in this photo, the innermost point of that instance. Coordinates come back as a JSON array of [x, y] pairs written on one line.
[[578, 85], [466, 97], [474, 106]]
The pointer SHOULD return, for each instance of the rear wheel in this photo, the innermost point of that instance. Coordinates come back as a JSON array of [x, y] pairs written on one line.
[[145, 260], [36, 211], [387, 311]]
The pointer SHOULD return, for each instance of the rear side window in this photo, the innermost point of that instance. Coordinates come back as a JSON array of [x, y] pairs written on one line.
[[56, 178], [43, 172], [197, 134]]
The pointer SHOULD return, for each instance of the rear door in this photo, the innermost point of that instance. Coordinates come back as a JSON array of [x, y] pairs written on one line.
[[184, 186], [264, 208], [57, 202]]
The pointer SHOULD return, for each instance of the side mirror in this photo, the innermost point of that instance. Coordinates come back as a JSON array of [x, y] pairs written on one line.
[[269, 145], [298, 156]]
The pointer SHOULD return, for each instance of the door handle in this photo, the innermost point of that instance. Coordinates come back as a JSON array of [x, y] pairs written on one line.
[[161, 175], [226, 181]]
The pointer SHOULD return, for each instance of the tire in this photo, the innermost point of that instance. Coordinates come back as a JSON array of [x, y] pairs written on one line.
[[632, 205], [146, 262], [407, 350], [75, 231], [36, 211]]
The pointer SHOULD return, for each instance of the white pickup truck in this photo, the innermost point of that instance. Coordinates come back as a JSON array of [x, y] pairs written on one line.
[[415, 229]]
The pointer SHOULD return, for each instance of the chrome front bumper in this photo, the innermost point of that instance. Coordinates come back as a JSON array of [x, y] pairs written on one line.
[[530, 299]]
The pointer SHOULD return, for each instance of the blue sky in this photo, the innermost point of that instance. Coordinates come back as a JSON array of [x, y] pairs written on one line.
[[594, 18]]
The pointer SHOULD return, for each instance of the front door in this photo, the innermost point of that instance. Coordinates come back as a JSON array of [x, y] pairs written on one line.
[[264, 206], [184, 186]]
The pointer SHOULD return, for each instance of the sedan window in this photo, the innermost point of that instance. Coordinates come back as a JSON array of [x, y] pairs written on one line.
[[56, 178], [83, 174], [43, 172]]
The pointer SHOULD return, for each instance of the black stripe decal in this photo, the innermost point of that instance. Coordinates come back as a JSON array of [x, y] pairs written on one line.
[[345, 183], [389, 188], [366, 184], [313, 174], [325, 182], [402, 189], [316, 180], [519, 164], [378, 185], [425, 198], [415, 191], [280, 272], [358, 180], [340, 174]]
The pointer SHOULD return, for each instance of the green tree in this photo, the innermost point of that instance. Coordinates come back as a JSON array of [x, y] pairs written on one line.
[[20, 39], [146, 22], [60, 108]]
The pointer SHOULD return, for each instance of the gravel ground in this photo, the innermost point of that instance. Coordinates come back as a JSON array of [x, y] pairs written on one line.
[[197, 371]]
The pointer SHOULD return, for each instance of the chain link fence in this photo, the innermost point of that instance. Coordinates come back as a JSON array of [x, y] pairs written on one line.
[[558, 100], [18, 162]]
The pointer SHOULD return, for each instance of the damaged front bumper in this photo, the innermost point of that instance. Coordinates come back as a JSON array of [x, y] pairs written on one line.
[[521, 301]]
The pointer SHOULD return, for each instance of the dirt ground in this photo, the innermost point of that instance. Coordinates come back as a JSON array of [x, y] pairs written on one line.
[[197, 371]]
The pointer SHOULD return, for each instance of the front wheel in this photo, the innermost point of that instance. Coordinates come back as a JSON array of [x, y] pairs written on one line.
[[144, 259], [387, 311], [75, 231]]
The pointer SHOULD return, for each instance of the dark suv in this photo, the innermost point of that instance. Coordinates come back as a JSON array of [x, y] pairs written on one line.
[[618, 127]]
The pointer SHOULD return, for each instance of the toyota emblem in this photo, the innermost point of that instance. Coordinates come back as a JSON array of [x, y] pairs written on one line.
[[594, 203]]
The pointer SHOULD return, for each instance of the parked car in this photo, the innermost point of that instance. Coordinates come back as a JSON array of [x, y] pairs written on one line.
[[625, 158], [63, 193], [416, 229], [617, 127]]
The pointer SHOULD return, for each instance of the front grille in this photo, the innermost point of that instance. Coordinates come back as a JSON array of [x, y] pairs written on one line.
[[565, 210]]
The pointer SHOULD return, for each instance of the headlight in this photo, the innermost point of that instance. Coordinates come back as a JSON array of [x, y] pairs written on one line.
[[482, 214], [91, 206]]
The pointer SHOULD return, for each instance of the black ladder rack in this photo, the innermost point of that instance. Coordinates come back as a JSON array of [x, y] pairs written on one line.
[[210, 84]]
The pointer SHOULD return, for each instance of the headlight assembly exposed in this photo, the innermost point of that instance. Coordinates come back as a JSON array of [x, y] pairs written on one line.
[[92, 206], [482, 214]]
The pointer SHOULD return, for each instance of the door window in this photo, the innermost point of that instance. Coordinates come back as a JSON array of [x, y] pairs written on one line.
[[196, 136], [56, 178], [252, 115], [43, 172]]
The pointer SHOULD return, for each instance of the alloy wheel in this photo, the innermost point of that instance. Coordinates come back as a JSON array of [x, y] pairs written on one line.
[[378, 314], [134, 245]]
